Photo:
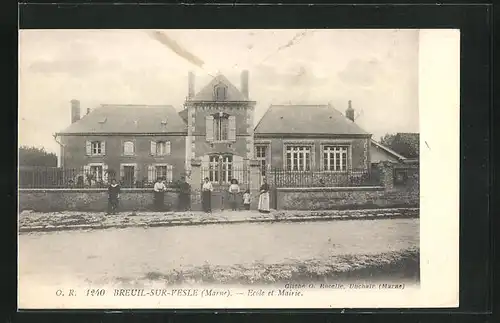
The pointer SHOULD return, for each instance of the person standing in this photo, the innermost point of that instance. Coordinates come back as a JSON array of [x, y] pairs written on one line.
[[159, 194], [246, 200], [206, 198], [113, 196], [264, 198], [184, 195], [234, 191]]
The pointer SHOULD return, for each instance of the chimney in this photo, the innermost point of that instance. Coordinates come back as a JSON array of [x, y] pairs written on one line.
[[190, 85], [349, 113], [244, 83], [75, 111]]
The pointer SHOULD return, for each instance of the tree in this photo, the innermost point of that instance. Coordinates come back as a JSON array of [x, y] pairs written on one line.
[[33, 156], [387, 140]]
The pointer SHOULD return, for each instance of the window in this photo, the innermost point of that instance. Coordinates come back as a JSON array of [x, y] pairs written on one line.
[[220, 169], [221, 127], [96, 172], [128, 148], [298, 158], [160, 148], [213, 169], [261, 155], [161, 172], [220, 93], [96, 148], [335, 158], [227, 168]]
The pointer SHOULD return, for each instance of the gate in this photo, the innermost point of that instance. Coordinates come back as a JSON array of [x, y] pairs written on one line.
[[220, 171]]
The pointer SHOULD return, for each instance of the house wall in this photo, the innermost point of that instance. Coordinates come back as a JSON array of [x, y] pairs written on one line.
[[378, 155], [359, 149], [75, 153], [92, 200]]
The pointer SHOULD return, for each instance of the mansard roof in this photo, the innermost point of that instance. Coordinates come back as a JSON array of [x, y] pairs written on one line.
[[306, 119], [133, 119]]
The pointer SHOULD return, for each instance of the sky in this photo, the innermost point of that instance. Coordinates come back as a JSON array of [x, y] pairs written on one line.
[[376, 69]]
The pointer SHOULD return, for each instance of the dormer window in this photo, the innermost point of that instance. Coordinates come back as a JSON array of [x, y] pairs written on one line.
[[220, 92]]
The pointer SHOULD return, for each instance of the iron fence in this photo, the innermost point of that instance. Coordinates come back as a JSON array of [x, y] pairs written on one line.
[[95, 177], [320, 178], [224, 175]]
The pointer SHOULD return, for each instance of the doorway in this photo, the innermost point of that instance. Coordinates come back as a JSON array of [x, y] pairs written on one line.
[[128, 176]]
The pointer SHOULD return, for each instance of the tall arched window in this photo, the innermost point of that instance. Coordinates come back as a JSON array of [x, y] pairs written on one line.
[[220, 92], [221, 126]]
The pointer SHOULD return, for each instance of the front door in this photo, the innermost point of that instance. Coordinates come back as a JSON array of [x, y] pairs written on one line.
[[128, 172]]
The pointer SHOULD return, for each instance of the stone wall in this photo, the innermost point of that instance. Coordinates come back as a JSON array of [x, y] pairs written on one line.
[[391, 193], [50, 200], [330, 198]]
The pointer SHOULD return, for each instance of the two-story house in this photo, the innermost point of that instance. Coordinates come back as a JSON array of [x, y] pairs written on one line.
[[133, 142]]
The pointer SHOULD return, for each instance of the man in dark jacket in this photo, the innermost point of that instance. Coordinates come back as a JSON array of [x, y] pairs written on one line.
[[113, 196]]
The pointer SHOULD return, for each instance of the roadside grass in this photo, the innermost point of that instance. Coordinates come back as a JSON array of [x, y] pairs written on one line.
[[390, 265]]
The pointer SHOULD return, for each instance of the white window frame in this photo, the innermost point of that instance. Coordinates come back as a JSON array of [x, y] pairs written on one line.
[[334, 149], [221, 124], [221, 170], [263, 159], [102, 165], [124, 145], [300, 149], [99, 148], [169, 171], [163, 143], [227, 168]]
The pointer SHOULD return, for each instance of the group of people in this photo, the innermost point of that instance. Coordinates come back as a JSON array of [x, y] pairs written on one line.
[[160, 187], [234, 196]]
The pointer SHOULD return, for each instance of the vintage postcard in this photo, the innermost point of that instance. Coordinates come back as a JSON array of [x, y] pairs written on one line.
[[238, 168]]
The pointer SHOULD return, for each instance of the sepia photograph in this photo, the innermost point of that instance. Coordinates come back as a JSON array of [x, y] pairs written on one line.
[[229, 169]]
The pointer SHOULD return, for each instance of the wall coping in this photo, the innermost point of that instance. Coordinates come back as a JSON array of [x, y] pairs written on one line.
[[330, 189], [89, 190]]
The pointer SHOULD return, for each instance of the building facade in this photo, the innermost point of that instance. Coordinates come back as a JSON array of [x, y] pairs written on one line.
[[139, 143]]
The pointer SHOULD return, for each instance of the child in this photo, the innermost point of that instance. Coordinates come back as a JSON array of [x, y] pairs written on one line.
[[246, 200], [113, 196]]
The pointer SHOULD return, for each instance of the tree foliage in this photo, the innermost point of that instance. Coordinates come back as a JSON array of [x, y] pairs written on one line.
[[387, 140], [33, 156]]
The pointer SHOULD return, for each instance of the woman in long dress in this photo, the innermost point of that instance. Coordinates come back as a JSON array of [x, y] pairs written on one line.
[[234, 192], [206, 200], [264, 198]]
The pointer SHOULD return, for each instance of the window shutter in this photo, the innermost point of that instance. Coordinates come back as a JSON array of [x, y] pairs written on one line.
[[105, 173], [167, 147], [88, 148], [122, 172], [151, 171], [232, 128], [136, 171], [169, 173], [153, 148], [209, 120], [86, 171], [103, 147]]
